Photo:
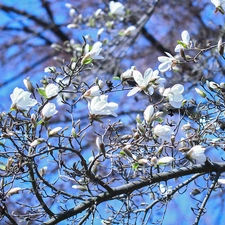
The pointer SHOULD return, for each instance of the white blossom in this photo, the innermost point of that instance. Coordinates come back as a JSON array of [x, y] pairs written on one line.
[[163, 131], [175, 95], [185, 40], [99, 105], [148, 113], [21, 99], [93, 53], [93, 91], [51, 90], [48, 110], [167, 62], [116, 8], [197, 153], [146, 83]]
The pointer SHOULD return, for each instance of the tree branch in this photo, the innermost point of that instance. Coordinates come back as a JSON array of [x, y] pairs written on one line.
[[132, 186]]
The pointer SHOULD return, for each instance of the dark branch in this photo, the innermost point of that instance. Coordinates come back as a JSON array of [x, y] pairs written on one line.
[[132, 186]]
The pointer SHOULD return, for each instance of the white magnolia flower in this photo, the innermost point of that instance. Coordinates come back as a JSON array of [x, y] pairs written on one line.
[[185, 40], [175, 95], [94, 52], [148, 113], [51, 90], [93, 91], [197, 153], [116, 8], [163, 131], [146, 83], [165, 160], [48, 110], [128, 74], [21, 99], [219, 4], [167, 62], [99, 105]]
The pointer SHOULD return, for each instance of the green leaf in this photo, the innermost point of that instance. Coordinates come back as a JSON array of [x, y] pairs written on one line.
[[42, 92], [116, 78], [2, 166], [182, 43], [87, 61], [135, 166], [122, 153]]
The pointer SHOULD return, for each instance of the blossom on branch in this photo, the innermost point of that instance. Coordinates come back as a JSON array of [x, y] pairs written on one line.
[[116, 8], [48, 111], [146, 83], [21, 99], [174, 95], [163, 131], [93, 53], [99, 105], [197, 153], [91, 92], [167, 62], [51, 90], [185, 43]]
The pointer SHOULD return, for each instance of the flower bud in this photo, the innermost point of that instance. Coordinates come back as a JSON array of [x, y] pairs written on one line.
[[165, 161], [148, 113], [43, 171], [28, 85], [100, 145], [186, 127], [9, 163], [80, 187], [195, 191], [220, 47], [54, 131], [142, 161], [200, 92], [37, 142]]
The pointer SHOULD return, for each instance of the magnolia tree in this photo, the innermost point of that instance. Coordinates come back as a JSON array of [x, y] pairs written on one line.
[[123, 150]]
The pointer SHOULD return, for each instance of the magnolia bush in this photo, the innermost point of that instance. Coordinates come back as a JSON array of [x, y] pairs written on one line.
[[69, 151]]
